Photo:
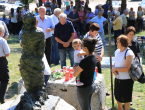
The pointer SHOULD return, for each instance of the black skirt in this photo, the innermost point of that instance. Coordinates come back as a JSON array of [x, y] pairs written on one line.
[[123, 90]]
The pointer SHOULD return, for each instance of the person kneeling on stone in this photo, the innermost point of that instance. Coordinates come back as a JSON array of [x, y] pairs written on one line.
[[4, 71], [78, 56], [86, 68]]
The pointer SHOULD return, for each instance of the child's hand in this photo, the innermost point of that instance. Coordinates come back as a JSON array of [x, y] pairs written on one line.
[[74, 68], [79, 54]]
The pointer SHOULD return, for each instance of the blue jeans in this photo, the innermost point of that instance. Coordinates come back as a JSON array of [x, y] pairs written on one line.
[[46, 78], [62, 53], [103, 39], [55, 52], [82, 30], [117, 33]]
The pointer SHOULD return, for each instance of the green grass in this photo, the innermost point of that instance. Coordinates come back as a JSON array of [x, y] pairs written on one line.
[[13, 60]]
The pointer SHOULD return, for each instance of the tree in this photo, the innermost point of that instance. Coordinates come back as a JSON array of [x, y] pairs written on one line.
[[110, 2], [123, 6], [77, 2], [40, 2], [26, 2]]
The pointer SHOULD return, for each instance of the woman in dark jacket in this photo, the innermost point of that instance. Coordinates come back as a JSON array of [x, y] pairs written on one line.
[[133, 44]]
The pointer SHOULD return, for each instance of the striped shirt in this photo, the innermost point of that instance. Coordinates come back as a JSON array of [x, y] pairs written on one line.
[[4, 48], [99, 45]]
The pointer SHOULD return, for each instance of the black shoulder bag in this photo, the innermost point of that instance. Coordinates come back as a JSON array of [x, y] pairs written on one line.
[[136, 72]]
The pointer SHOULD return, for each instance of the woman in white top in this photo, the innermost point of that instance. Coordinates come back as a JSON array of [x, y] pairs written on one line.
[[13, 16], [140, 14], [123, 82]]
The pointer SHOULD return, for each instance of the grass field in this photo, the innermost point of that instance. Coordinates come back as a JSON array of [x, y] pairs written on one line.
[[13, 59]]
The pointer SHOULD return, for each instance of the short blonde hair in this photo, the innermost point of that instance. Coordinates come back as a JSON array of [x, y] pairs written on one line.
[[76, 41]]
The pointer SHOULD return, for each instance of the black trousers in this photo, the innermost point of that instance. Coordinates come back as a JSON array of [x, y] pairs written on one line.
[[117, 33], [132, 23], [59, 3], [19, 26], [87, 27], [4, 76], [105, 16], [48, 48], [14, 28], [99, 67]]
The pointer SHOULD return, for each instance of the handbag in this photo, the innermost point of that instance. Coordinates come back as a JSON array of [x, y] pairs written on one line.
[[136, 70]]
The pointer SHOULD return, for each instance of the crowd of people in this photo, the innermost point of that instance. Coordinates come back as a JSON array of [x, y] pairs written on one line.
[[60, 29]]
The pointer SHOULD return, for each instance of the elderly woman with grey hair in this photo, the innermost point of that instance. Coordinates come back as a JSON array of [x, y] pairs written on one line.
[[101, 21], [117, 25]]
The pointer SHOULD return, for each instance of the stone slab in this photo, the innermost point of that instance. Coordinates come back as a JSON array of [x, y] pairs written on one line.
[[15, 102], [62, 105], [67, 91], [6, 105], [105, 63], [53, 103]]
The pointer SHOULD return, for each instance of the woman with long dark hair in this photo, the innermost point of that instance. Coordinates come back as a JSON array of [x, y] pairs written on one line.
[[19, 19], [13, 15], [86, 68]]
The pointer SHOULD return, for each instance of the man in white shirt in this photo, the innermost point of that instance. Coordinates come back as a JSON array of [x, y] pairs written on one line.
[[46, 23], [124, 19], [55, 52], [4, 70]]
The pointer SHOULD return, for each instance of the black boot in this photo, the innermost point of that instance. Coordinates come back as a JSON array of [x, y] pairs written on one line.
[[2, 101]]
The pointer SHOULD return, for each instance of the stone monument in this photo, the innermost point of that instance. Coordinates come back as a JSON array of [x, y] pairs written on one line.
[[31, 65]]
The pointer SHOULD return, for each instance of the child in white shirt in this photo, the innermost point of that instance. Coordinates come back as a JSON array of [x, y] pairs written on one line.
[[78, 56]]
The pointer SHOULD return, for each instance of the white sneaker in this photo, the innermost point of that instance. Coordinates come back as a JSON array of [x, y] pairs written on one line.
[[80, 83]]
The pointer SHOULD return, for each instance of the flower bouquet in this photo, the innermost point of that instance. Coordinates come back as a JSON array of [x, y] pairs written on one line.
[[57, 74]]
